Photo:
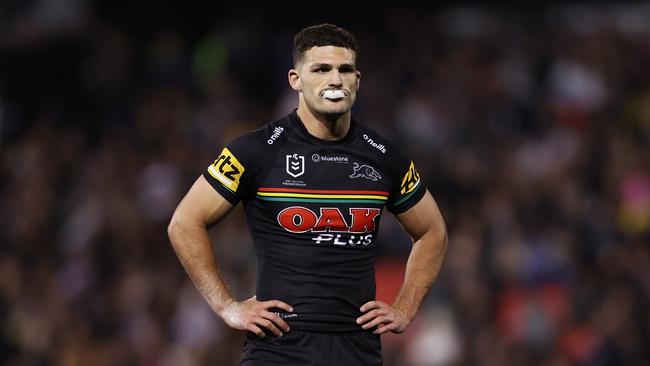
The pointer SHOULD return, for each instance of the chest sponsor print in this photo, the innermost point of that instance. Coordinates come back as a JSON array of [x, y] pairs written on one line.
[[329, 222], [329, 225], [298, 219]]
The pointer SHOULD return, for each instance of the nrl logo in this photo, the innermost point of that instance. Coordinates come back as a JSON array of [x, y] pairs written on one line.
[[365, 171], [295, 165]]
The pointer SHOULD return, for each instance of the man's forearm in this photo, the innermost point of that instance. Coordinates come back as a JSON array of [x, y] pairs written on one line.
[[192, 246], [422, 268]]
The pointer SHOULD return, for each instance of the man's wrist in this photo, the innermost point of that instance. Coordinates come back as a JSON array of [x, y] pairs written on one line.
[[221, 308], [408, 313]]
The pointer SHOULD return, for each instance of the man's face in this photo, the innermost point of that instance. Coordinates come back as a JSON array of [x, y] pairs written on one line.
[[328, 79]]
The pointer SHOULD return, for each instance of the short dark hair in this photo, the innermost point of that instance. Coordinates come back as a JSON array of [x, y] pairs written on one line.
[[321, 35]]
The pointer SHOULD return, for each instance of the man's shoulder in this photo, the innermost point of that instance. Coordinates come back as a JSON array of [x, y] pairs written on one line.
[[271, 133], [377, 142]]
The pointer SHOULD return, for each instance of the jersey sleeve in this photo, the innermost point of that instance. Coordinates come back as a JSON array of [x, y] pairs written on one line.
[[232, 172], [408, 187]]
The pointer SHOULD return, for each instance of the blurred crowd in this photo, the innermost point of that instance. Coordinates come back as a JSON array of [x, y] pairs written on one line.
[[531, 129]]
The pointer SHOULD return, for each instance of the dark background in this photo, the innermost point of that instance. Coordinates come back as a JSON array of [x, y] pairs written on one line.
[[530, 126]]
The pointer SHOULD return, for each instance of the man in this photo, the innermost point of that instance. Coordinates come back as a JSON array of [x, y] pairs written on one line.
[[313, 185]]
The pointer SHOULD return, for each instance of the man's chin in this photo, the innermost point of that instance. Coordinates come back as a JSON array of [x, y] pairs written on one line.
[[334, 111]]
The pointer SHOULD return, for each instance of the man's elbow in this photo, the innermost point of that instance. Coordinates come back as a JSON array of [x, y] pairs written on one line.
[[171, 228], [183, 224], [176, 225], [443, 239], [438, 234]]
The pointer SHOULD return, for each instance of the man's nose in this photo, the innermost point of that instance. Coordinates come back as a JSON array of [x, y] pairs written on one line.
[[335, 78]]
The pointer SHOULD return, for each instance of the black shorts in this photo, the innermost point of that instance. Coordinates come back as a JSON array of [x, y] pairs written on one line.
[[313, 348]]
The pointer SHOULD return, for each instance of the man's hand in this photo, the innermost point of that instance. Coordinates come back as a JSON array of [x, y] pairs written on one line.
[[251, 314], [385, 317], [424, 224]]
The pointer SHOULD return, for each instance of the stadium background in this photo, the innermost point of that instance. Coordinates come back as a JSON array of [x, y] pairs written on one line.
[[530, 126]]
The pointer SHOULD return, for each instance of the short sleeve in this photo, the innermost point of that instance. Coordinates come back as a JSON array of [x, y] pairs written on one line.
[[231, 173], [408, 188]]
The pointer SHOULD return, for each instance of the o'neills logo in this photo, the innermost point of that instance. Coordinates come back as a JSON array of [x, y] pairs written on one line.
[[276, 134], [372, 143]]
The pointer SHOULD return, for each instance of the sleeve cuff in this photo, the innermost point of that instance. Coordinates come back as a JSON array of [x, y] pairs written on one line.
[[229, 195], [404, 203]]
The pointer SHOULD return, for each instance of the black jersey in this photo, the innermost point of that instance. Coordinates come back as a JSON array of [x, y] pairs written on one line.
[[313, 208]]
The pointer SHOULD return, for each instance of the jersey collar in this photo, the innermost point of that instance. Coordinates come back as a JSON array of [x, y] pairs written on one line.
[[302, 131]]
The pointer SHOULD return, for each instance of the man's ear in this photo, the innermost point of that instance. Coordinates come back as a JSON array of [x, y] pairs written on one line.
[[294, 80], [358, 79]]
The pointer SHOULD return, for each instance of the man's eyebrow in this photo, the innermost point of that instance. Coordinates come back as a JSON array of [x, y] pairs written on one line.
[[326, 65]]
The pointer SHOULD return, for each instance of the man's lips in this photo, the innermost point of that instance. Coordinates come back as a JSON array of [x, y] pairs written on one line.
[[334, 94]]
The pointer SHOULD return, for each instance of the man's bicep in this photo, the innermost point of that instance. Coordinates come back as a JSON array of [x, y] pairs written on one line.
[[424, 217], [203, 204]]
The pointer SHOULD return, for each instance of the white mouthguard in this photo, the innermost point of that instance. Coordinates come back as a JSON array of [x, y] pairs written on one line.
[[333, 94]]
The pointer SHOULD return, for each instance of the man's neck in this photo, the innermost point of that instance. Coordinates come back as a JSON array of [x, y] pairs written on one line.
[[322, 127]]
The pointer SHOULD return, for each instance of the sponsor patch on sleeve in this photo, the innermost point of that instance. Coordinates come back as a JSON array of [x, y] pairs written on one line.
[[410, 181], [227, 170]]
